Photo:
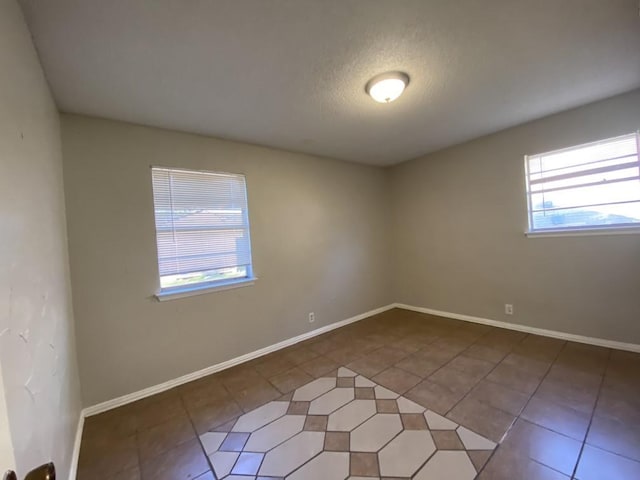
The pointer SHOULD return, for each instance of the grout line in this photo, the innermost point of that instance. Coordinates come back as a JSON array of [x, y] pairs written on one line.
[[571, 337], [231, 396], [509, 352], [539, 426], [227, 364], [517, 417], [593, 413], [195, 431], [483, 378]]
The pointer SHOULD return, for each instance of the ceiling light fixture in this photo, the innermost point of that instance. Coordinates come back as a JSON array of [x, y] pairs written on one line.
[[386, 87]]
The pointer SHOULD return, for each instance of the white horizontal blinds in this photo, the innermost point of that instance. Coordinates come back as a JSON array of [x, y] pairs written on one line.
[[591, 185], [201, 221]]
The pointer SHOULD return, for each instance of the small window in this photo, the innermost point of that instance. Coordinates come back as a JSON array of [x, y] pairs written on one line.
[[202, 229], [587, 187]]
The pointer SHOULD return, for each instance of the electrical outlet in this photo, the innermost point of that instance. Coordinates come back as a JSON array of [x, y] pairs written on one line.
[[508, 309], [312, 317]]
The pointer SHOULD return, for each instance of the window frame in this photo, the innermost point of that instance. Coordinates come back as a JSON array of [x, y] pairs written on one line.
[[606, 229], [181, 291]]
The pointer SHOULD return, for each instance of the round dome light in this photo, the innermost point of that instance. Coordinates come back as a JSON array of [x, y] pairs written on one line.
[[386, 87]]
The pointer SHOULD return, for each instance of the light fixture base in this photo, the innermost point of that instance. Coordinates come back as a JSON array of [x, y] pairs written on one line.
[[387, 87]]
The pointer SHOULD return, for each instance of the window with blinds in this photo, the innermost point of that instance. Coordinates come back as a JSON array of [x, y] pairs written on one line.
[[590, 186], [202, 228]]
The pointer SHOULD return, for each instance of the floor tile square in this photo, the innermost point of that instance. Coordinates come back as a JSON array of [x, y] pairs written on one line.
[[331, 401], [272, 365], [336, 441], [368, 365], [413, 421], [386, 406], [482, 418], [343, 355], [290, 455], [554, 386], [316, 423], [290, 380], [211, 441], [275, 433], [364, 393], [210, 416], [447, 464], [508, 464], [479, 458], [364, 464], [597, 464], [239, 377], [300, 355], [614, 436], [577, 396], [258, 418], [184, 461], [556, 417], [499, 396], [351, 415], [447, 440], [373, 434], [234, 442], [434, 396], [406, 453], [397, 380], [544, 446], [458, 381], [248, 463], [256, 395], [298, 408], [483, 352], [223, 462], [326, 466], [160, 438], [319, 366], [527, 364], [418, 365], [473, 366], [514, 378], [346, 382]]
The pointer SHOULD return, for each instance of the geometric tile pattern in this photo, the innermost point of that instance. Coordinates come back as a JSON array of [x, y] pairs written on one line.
[[557, 408], [344, 427]]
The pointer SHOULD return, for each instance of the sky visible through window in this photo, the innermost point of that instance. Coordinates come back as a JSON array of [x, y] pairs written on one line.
[[590, 185]]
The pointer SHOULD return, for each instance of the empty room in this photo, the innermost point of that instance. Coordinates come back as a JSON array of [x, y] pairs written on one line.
[[319, 240]]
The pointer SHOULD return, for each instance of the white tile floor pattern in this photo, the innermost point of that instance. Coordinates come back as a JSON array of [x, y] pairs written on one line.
[[345, 427]]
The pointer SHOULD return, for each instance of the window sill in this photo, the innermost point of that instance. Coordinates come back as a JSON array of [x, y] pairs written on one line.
[[202, 289], [583, 232]]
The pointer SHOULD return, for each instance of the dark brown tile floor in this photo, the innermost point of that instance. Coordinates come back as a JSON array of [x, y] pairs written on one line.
[[561, 410]]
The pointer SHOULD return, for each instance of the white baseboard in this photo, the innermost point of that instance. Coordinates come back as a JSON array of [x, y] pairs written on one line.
[[601, 342], [75, 456], [147, 392]]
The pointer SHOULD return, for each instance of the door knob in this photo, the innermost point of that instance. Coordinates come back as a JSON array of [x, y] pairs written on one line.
[[43, 472]]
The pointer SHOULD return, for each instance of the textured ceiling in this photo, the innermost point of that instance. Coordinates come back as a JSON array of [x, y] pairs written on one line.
[[291, 73]]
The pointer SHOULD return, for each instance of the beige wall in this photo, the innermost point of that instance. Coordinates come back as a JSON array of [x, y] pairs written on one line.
[[322, 243], [459, 217], [37, 353], [319, 237], [7, 457]]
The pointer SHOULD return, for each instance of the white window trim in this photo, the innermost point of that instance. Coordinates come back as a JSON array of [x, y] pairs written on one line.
[[202, 288], [620, 229], [173, 293], [584, 232]]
